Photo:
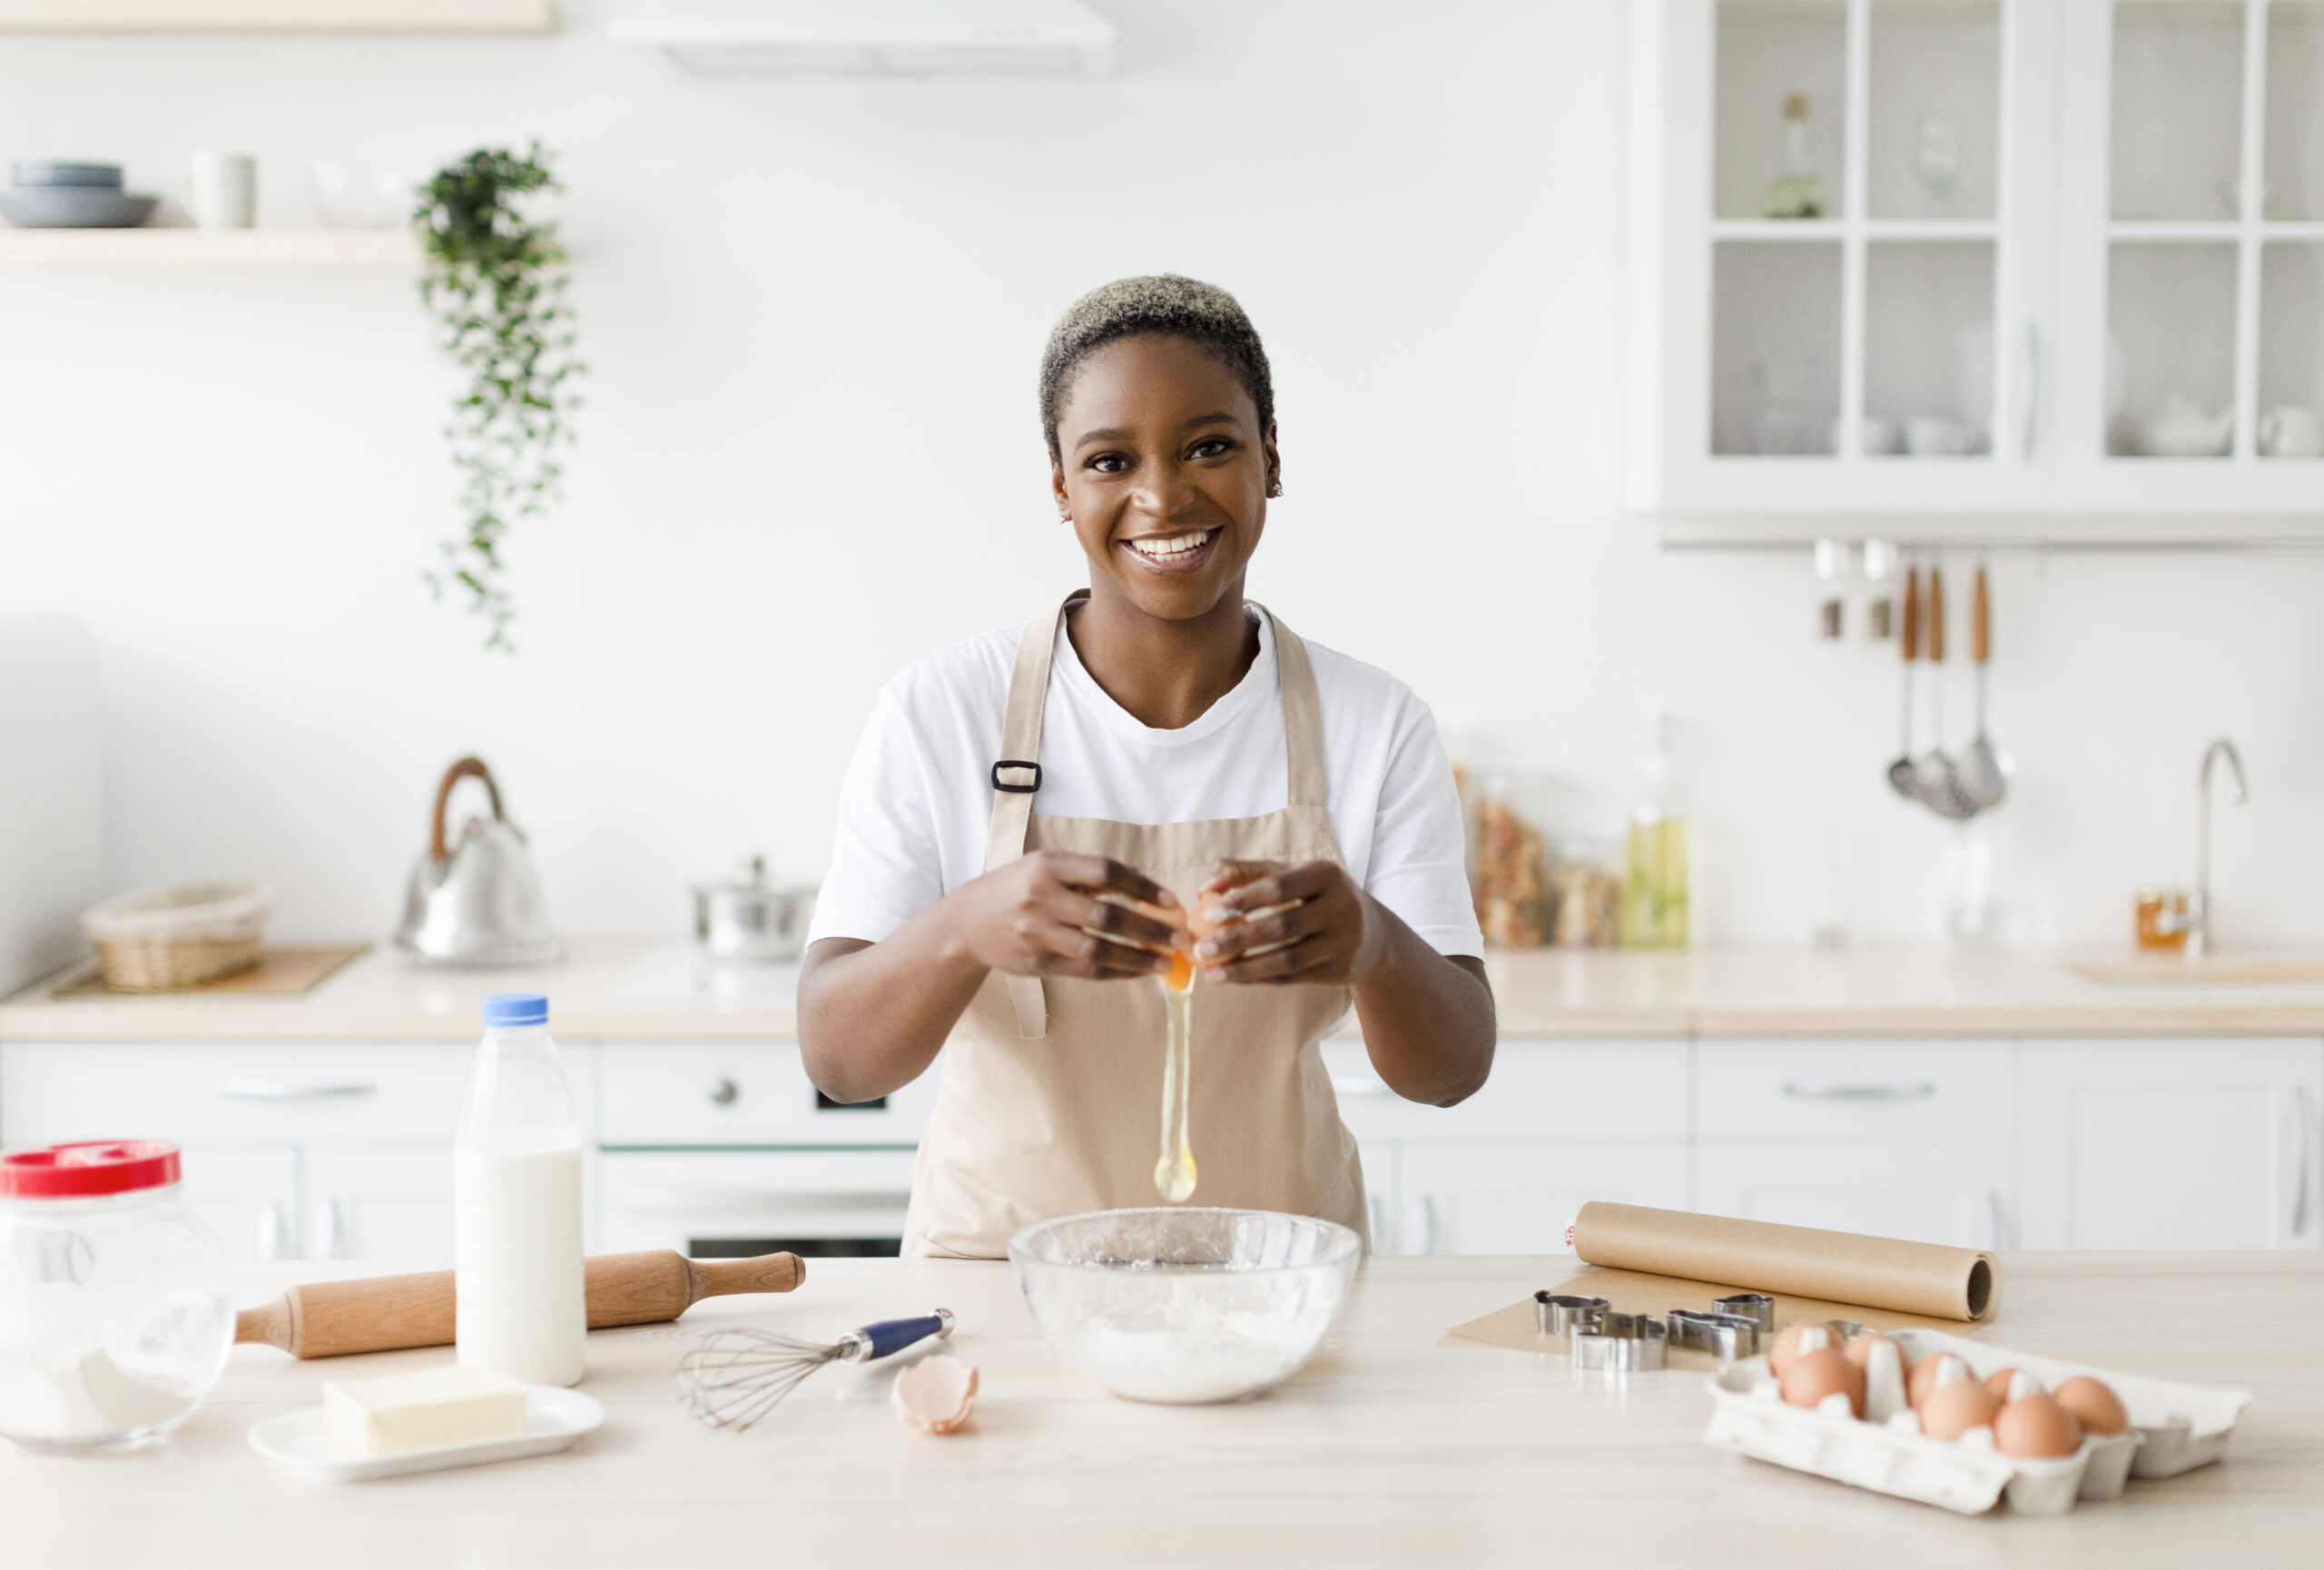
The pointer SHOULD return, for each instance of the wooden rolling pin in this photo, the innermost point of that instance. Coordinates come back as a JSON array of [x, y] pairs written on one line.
[[386, 1313]]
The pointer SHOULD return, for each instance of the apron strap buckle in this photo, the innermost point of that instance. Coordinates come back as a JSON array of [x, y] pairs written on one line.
[[1011, 763]]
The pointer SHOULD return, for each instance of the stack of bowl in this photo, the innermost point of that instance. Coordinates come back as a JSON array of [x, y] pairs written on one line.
[[54, 194]]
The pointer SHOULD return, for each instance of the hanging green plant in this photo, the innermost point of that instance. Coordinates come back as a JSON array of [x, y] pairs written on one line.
[[496, 284]]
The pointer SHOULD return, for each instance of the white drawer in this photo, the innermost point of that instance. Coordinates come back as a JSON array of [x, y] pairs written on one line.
[[740, 1096], [246, 1095], [1539, 1090], [1856, 1092]]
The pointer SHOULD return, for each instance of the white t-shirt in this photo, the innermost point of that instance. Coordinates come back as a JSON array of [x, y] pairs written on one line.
[[916, 803]]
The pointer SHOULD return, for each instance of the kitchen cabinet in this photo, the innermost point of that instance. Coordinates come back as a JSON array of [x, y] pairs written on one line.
[[249, 1199], [331, 1151], [724, 1203], [2188, 1144], [2048, 252], [1510, 1198], [1957, 1194]]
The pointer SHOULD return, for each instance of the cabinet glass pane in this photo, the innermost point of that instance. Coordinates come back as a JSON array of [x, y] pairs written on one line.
[[2291, 351], [1774, 346], [1928, 348], [1774, 56], [2178, 108], [2295, 147], [1935, 109], [2171, 350]]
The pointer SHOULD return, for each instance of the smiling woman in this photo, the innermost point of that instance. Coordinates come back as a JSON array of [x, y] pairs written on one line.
[[1041, 813]]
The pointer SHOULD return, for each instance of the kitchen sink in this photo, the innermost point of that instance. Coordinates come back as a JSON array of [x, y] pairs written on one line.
[[2210, 971]]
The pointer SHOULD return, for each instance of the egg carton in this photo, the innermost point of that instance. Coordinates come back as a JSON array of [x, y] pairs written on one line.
[[2173, 1428]]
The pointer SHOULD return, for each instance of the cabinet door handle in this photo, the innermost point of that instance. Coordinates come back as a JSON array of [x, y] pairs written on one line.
[[700, 1199], [2031, 430], [293, 1090], [1379, 1208], [2300, 1202], [1829, 1090], [274, 1228], [1356, 1087], [327, 1230], [724, 1093], [1992, 1219], [1428, 1223]]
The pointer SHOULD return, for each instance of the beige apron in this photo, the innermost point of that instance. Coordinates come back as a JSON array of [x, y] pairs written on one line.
[[1051, 1100]]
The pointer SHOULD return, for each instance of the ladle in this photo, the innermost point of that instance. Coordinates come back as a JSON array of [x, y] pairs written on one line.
[[1986, 769], [1900, 772], [1934, 774]]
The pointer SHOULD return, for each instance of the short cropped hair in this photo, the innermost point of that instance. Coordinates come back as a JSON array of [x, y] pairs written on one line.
[[1202, 313]]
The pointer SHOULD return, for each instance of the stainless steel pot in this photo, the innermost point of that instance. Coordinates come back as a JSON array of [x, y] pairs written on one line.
[[476, 901], [752, 920]]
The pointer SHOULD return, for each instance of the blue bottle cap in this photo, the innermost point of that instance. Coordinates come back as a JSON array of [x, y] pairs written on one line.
[[515, 1009]]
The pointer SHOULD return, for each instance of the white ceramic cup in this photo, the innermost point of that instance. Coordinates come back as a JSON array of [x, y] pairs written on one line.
[[1938, 436], [222, 190], [2291, 430]]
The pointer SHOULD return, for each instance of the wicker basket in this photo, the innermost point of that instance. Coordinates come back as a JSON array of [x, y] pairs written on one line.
[[178, 935]]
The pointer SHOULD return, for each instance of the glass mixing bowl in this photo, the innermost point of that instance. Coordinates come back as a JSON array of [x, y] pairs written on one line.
[[1181, 1305]]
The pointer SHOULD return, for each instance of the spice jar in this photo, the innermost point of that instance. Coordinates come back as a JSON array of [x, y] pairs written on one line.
[[2162, 920], [116, 1308]]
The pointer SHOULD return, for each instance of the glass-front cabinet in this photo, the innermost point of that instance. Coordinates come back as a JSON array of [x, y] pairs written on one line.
[[2004, 259]]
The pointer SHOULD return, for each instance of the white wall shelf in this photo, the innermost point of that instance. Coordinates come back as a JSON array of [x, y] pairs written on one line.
[[183, 248], [277, 17]]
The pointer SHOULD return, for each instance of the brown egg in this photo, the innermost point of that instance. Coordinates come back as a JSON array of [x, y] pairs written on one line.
[[1951, 1410], [2037, 1426], [1818, 1373], [1787, 1347], [1998, 1382], [1924, 1373], [1860, 1345], [2093, 1404]]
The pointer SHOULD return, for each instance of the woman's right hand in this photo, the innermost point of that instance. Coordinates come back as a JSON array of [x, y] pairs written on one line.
[[1056, 913]]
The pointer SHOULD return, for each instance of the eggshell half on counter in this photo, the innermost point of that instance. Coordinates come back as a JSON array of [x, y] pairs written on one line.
[[935, 1395]]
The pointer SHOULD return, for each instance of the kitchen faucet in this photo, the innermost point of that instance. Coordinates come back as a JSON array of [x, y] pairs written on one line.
[[2199, 917]]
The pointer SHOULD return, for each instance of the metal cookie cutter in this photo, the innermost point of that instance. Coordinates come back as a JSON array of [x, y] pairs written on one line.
[[1756, 1307], [1726, 1337], [1558, 1314], [1620, 1341]]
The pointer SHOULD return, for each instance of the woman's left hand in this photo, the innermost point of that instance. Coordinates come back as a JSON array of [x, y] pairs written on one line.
[[1279, 922]]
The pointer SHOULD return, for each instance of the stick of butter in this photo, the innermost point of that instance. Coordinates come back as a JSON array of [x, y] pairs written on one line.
[[449, 1406]]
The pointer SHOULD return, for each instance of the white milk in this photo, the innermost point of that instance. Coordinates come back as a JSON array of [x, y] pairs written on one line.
[[516, 1250], [516, 1203]]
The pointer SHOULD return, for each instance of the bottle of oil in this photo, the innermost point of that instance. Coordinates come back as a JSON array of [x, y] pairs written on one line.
[[1799, 191], [1654, 881]]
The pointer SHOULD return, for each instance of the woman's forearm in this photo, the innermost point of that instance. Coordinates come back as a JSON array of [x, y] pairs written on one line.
[[874, 1016], [1428, 1018]]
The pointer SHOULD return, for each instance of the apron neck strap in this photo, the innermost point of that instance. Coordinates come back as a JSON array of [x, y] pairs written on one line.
[[1016, 773]]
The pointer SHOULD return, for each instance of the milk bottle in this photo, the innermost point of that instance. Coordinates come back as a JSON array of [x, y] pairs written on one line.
[[517, 1202]]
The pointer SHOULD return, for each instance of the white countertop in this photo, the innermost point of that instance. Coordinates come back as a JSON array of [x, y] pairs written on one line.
[[629, 991], [1397, 1444]]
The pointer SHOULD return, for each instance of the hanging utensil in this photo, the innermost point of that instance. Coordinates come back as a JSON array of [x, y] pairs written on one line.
[[1935, 775], [1900, 772], [1986, 769]]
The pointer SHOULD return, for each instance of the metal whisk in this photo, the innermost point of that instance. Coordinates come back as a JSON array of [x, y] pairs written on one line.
[[735, 1377]]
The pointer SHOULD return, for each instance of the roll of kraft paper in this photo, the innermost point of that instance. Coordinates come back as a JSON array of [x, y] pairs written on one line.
[[1927, 1278], [387, 1313]]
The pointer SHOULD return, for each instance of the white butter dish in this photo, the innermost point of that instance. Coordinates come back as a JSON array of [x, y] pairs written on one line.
[[554, 1419]]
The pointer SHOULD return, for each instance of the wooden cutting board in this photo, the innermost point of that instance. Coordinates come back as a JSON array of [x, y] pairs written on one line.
[[283, 972]]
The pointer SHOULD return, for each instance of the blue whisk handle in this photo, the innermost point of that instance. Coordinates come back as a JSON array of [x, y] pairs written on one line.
[[891, 1335]]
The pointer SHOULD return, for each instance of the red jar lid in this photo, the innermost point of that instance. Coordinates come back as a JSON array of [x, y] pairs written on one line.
[[90, 1167]]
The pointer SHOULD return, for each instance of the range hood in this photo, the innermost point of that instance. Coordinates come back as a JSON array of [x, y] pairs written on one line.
[[873, 38]]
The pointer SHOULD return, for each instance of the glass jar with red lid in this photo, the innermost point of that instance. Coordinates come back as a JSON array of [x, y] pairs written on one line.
[[116, 1308]]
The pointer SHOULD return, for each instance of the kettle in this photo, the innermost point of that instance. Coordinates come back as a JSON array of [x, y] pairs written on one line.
[[477, 902]]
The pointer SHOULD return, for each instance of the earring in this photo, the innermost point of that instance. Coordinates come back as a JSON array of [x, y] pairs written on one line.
[[1274, 488]]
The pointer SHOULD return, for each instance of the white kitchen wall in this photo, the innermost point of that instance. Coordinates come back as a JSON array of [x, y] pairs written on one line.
[[813, 310]]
